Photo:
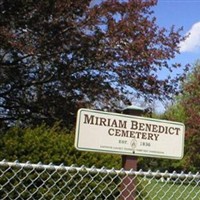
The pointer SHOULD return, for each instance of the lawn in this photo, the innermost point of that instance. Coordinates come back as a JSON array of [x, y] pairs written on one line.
[[169, 190]]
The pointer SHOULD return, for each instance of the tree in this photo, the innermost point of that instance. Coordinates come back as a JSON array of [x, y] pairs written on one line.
[[186, 109], [57, 56], [191, 103]]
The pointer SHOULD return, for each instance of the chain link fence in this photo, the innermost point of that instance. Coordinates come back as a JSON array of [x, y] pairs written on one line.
[[38, 181]]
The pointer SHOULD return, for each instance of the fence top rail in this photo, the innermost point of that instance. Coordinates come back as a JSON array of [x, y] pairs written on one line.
[[93, 169]]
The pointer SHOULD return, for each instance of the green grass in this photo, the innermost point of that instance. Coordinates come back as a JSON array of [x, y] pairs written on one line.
[[157, 190]]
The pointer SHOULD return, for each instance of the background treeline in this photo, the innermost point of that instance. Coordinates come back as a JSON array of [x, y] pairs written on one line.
[[57, 56], [56, 144]]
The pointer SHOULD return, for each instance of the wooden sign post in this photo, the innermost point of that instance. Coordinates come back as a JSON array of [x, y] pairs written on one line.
[[128, 185]]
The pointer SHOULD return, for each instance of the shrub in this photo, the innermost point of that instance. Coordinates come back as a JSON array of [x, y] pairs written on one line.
[[50, 145]]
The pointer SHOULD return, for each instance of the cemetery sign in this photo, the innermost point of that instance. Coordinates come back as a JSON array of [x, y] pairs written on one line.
[[108, 132]]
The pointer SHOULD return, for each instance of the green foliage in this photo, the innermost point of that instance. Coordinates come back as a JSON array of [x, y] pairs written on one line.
[[53, 145], [48, 184], [49, 145], [186, 109], [175, 112], [190, 101]]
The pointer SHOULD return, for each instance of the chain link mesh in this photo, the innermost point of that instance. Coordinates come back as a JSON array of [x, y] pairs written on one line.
[[38, 181]]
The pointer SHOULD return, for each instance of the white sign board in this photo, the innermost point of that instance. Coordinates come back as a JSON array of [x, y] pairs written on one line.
[[128, 135]]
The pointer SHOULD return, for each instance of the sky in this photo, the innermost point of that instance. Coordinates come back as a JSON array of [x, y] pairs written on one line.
[[186, 14], [181, 13]]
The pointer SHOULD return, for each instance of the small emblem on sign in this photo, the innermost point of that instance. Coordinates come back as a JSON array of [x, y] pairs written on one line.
[[133, 145]]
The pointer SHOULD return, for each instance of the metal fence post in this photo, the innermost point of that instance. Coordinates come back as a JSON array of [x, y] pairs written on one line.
[[128, 186]]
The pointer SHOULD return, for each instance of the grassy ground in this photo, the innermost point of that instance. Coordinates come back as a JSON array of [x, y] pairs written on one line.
[[169, 190]]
